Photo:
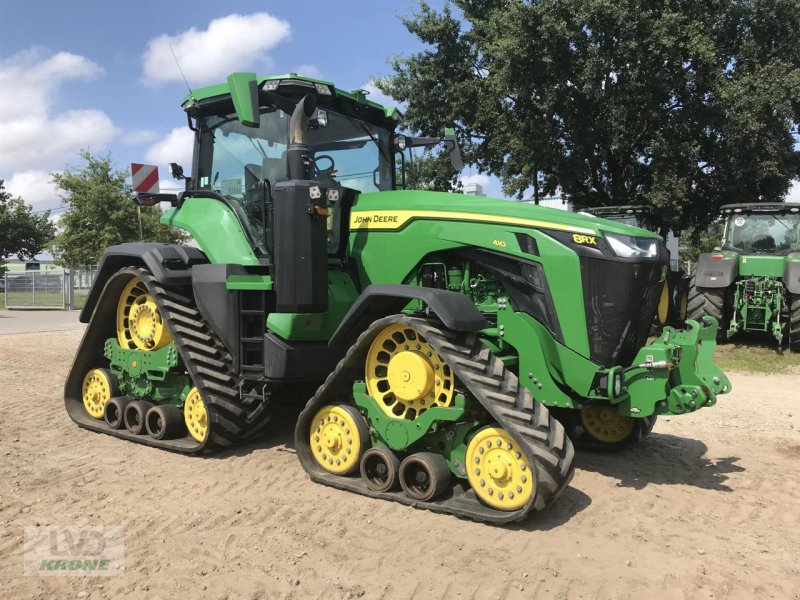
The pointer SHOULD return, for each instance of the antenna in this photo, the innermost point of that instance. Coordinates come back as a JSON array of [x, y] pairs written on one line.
[[191, 93]]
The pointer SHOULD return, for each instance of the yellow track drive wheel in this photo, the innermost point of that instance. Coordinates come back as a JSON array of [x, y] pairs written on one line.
[[663, 305], [338, 438], [498, 470], [99, 386], [195, 415], [139, 323], [683, 303], [405, 375], [606, 426]]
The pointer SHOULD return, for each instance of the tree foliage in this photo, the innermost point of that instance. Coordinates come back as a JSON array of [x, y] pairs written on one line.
[[100, 213], [22, 233], [430, 170], [679, 104]]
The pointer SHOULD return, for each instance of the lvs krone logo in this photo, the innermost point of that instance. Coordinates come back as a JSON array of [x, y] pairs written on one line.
[[73, 550]]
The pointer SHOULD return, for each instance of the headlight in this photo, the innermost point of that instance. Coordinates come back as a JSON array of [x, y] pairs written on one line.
[[628, 246]]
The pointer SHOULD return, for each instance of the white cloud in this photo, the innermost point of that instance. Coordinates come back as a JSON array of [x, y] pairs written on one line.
[[307, 71], [794, 192], [33, 138], [35, 188], [480, 178], [175, 147], [230, 43], [136, 137]]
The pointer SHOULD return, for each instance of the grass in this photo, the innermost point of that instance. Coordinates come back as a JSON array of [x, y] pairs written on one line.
[[43, 299], [756, 356]]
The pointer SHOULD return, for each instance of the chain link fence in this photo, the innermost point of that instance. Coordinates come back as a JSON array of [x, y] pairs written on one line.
[[55, 289]]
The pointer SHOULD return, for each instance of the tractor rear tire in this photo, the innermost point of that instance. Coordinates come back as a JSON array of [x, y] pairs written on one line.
[[709, 302], [794, 324]]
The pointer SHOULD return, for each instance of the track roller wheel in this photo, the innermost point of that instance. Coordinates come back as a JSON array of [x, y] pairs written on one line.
[[99, 386], [380, 469], [195, 415], [134, 416], [139, 322], [424, 476], [498, 470], [164, 422], [115, 411], [338, 437]]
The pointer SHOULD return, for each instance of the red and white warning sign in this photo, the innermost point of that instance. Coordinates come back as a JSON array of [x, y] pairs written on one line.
[[144, 178]]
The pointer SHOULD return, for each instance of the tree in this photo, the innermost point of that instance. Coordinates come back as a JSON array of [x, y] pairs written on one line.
[[100, 213], [433, 171], [22, 232], [679, 104]]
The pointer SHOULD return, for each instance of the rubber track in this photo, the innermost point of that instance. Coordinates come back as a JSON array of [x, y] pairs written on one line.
[[485, 377], [707, 302], [209, 365]]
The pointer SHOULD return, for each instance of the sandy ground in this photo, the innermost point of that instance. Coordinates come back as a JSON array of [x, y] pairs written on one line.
[[707, 507]]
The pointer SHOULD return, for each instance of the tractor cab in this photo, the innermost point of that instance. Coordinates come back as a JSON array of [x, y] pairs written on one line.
[[761, 228]]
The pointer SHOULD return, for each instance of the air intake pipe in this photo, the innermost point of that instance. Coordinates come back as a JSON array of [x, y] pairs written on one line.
[[298, 153]]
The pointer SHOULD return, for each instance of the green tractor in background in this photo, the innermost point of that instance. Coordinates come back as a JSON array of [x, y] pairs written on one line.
[[751, 283], [674, 300], [453, 341]]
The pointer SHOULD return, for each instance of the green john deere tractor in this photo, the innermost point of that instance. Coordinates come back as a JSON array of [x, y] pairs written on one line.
[[751, 283], [674, 300], [443, 333]]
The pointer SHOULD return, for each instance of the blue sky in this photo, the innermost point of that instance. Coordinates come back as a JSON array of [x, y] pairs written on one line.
[[99, 75]]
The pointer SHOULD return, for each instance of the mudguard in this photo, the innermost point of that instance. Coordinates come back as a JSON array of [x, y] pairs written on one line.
[[716, 273], [170, 264], [455, 310]]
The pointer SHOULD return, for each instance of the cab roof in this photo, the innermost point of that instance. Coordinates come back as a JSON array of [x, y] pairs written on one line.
[[291, 81], [759, 207]]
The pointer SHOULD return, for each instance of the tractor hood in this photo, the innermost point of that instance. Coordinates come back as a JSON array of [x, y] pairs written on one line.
[[391, 210]]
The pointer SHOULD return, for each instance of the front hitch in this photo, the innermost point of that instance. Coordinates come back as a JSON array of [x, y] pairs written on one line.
[[675, 374]]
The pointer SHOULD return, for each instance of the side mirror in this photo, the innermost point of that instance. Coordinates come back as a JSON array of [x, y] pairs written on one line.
[[455, 151], [176, 171]]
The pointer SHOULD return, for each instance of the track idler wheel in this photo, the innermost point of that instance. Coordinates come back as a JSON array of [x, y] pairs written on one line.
[[424, 476], [607, 426], [164, 422], [339, 436], [195, 415], [115, 411], [498, 470], [99, 386], [135, 414], [380, 469]]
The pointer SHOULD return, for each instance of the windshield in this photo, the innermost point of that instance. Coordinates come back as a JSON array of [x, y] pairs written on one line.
[[633, 220], [235, 159], [763, 233]]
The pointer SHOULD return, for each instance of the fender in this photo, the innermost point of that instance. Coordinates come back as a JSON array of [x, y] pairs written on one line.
[[455, 310], [791, 274], [170, 264], [716, 273]]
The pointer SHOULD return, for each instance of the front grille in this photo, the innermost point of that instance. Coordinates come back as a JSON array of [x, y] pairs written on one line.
[[620, 300]]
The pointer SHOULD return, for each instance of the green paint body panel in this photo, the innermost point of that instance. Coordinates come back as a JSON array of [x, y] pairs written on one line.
[[253, 283], [761, 265], [305, 327], [147, 374], [215, 228]]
